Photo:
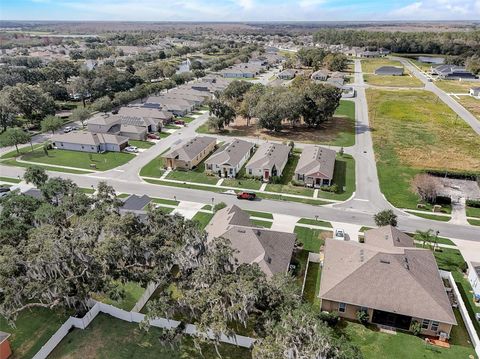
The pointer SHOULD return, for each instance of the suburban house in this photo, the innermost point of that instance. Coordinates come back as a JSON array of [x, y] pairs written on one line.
[[156, 116], [243, 70], [5, 349], [133, 127], [89, 142], [474, 279], [189, 153], [369, 54], [452, 72], [287, 74], [388, 278], [348, 92], [320, 75], [271, 250], [315, 166], [229, 158], [177, 106], [475, 92], [269, 160], [134, 203], [431, 60], [389, 71]]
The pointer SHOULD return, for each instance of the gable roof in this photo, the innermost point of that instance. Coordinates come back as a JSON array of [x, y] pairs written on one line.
[[402, 279], [89, 138], [104, 119], [388, 238], [272, 250], [3, 336], [190, 148], [316, 160], [269, 155], [230, 153], [145, 112], [135, 203]]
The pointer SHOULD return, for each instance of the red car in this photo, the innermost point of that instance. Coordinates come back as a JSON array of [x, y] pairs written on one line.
[[180, 122], [246, 195], [153, 136]]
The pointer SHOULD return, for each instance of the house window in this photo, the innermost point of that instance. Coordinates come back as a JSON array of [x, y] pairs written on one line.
[[249, 171], [425, 323], [434, 326], [342, 307]]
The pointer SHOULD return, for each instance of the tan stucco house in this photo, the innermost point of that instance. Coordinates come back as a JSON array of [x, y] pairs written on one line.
[[189, 153], [390, 279], [315, 166]]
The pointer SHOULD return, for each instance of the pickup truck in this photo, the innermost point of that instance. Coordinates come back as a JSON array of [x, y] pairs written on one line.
[[246, 195]]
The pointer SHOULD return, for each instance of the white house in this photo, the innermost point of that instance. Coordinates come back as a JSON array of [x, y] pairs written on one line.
[[229, 159]]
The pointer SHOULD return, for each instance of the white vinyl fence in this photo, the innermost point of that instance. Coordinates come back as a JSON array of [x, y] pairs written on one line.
[[463, 311], [151, 287], [135, 317]]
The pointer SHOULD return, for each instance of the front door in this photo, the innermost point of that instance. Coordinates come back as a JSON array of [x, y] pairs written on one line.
[[266, 175], [317, 182]]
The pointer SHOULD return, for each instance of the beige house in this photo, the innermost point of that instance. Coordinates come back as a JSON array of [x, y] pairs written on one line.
[[390, 279], [269, 161], [189, 153], [228, 160], [271, 250], [89, 142], [315, 167]]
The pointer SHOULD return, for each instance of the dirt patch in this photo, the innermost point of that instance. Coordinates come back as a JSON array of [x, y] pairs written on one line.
[[328, 132]]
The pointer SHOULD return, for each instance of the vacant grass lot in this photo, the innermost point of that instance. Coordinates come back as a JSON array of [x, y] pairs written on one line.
[[454, 86], [340, 131], [406, 80], [370, 65], [471, 104], [107, 337], [414, 131], [102, 161], [33, 329]]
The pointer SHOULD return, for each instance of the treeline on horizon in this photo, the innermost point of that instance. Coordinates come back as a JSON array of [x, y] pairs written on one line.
[[457, 43]]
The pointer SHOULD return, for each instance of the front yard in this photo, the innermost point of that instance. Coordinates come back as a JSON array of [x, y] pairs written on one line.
[[108, 337], [411, 130], [102, 161], [406, 80], [196, 175]]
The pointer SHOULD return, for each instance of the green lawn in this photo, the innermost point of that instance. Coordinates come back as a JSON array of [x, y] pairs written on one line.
[[170, 202], [431, 216], [9, 179], [202, 219], [107, 337], [163, 134], [197, 175], [33, 329], [187, 119], [21, 151], [87, 190], [376, 345], [314, 222], [312, 283], [172, 127], [260, 223], [102, 161], [154, 168], [132, 293], [13, 162], [410, 131], [312, 239], [141, 144], [474, 222], [261, 214], [471, 211], [185, 185], [242, 181], [343, 177], [370, 65]]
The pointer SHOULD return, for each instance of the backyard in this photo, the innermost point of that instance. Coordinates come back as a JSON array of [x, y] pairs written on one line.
[[102, 161], [340, 131], [131, 294], [107, 337], [410, 130]]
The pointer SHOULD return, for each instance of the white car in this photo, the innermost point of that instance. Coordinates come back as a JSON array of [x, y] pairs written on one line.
[[67, 129], [230, 191], [131, 149], [339, 234]]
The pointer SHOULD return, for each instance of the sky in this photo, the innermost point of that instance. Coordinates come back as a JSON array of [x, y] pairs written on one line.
[[240, 10]]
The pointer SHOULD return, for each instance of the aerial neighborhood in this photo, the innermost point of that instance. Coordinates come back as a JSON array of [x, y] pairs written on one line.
[[239, 189]]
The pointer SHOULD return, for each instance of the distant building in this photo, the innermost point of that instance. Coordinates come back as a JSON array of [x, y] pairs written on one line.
[[389, 71], [475, 92], [287, 74], [452, 72], [320, 75], [431, 60], [89, 142]]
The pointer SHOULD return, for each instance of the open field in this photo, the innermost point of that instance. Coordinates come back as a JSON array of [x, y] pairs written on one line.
[[102, 161], [406, 80], [33, 329], [108, 337], [413, 131], [370, 65], [340, 131], [471, 104], [455, 86]]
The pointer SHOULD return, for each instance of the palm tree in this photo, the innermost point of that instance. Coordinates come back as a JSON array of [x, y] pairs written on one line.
[[424, 236]]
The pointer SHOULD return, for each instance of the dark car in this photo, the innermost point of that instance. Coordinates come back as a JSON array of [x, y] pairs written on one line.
[[247, 195], [153, 136], [4, 190], [180, 122]]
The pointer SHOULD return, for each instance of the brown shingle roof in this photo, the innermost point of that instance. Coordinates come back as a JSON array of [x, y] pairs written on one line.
[[189, 149]]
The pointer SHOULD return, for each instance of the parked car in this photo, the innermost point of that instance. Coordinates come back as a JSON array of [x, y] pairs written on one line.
[[4, 191], [339, 234], [153, 136], [246, 195], [68, 129], [131, 149], [180, 122]]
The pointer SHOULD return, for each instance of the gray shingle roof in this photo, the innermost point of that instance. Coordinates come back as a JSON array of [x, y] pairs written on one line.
[[89, 138], [230, 153], [135, 203], [268, 155], [398, 279], [190, 148], [316, 160], [389, 70]]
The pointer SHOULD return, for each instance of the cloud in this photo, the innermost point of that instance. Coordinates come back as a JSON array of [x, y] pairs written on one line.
[[438, 10], [246, 4]]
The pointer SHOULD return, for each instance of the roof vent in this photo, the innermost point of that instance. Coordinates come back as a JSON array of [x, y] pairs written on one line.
[[386, 237], [241, 231], [269, 260], [384, 261]]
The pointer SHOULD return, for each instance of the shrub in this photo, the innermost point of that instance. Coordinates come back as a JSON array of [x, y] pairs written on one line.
[[362, 316], [473, 203], [219, 206], [331, 318], [385, 218], [332, 188], [415, 327]]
